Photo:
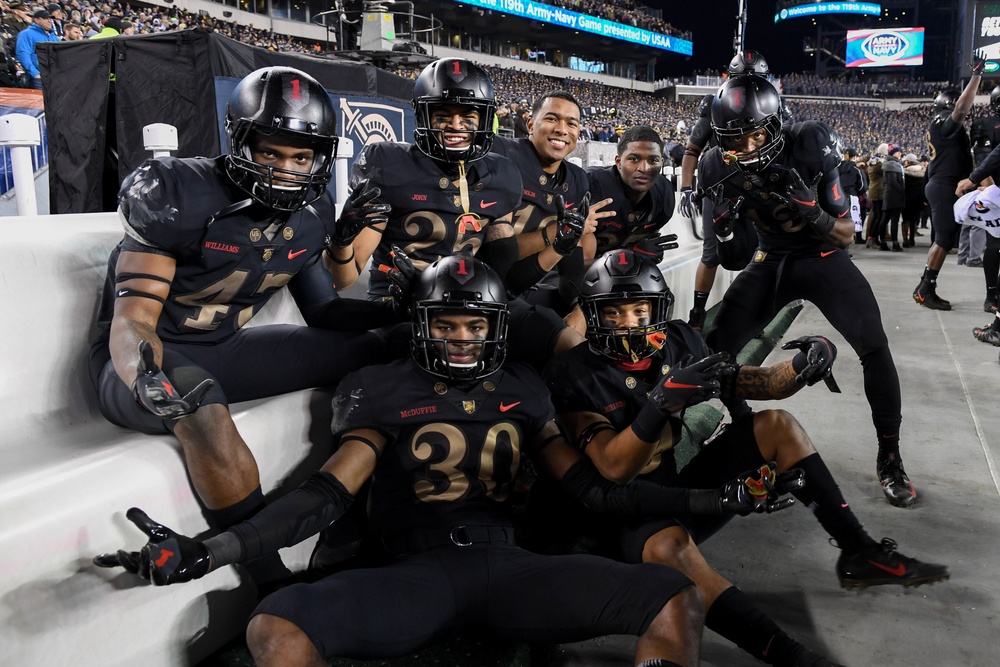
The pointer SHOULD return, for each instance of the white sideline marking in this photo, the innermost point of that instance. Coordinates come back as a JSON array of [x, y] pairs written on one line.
[[972, 410]]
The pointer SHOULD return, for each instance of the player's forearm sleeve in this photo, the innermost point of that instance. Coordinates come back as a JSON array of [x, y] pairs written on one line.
[[320, 501], [637, 498]]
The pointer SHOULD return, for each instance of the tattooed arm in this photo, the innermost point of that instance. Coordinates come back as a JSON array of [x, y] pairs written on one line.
[[761, 383]]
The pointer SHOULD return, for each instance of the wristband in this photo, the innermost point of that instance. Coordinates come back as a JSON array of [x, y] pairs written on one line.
[[545, 238], [649, 423], [704, 501]]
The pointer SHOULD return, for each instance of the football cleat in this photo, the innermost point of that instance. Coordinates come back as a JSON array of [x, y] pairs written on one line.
[[881, 565], [987, 334], [896, 485], [991, 305], [926, 295]]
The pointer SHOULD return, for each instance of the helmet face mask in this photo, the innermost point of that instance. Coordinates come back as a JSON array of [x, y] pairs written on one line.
[[280, 108], [455, 291], [746, 105], [456, 86], [617, 278]]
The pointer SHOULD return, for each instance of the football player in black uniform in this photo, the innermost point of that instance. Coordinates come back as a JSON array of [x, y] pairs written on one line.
[[449, 194], [445, 445], [951, 161], [746, 62], [207, 243], [550, 185], [621, 398], [642, 199], [985, 135], [786, 181]]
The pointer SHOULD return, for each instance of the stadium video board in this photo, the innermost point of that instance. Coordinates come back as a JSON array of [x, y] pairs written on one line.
[[985, 32], [584, 23], [889, 47], [818, 8]]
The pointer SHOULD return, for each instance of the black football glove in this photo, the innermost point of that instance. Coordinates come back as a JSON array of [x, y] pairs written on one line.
[[978, 63], [167, 558], [402, 280], [155, 392], [802, 198], [362, 209], [758, 491], [725, 213], [570, 223], [684, 204], [651, 249], [689, 383], [814, 362]]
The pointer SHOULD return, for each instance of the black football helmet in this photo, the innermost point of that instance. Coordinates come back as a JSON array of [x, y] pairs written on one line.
[[748, 62], [620, 275], [995, 101], [946, 100], [459, 283], [744, 104], [453, 81], [282, 103]]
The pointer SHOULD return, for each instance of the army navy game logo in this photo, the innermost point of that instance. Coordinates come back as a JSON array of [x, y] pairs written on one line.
[[370, 122]]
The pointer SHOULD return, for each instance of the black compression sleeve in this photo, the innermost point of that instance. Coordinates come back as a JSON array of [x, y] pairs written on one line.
[[637, 498], [524, 274], [500, 254], [320, 501], [989, 164]]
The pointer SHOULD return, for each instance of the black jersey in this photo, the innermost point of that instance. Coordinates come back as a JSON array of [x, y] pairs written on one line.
[[809, 149], [631, 223], [538, 208], [428, 219], [950, 150], [582, 380], [453, 451], [985, 136], [232, 254]]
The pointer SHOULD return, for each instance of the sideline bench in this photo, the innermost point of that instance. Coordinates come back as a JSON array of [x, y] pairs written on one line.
[[68, 475]]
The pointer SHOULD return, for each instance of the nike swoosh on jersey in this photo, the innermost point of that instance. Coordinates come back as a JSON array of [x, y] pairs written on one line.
[[827, 253], [505, 408], [293, 255], [486, 204]]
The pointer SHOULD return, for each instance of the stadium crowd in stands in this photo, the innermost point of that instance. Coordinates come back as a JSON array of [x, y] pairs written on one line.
[[625, 12], [608, 110]]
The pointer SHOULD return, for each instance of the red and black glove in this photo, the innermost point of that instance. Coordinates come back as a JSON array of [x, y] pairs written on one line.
[[978, 63], [652, 249], [402, 281], [362, 209], [758, 491], [803, 198], [570, 223], [814, 362], [689, 383], [155, 392], [167, 558]]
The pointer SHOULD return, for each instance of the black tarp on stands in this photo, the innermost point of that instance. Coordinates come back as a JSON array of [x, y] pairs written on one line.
[[163, 78]]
